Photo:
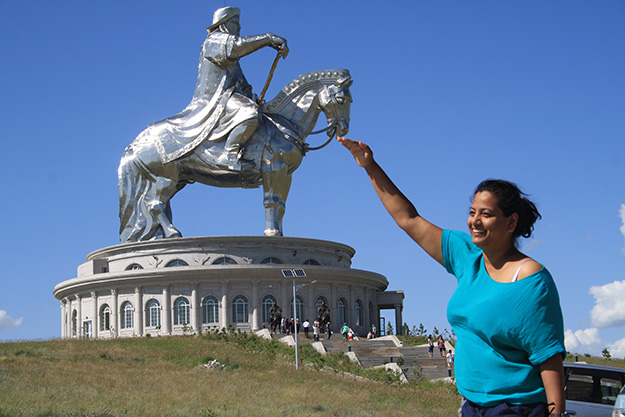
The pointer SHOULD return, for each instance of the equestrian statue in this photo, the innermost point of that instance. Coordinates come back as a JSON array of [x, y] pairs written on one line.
[[275, 318], [226, 136]]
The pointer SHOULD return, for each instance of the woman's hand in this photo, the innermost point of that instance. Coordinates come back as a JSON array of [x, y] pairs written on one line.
[[360, 151]]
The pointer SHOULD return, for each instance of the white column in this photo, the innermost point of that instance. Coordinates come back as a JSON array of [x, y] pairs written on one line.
[[79, 331], [254, 304], [310, 304], [334, 314], [286, 296], [114, 313], [94, 312], [351, 308], [166, 312], [195, 307], [63, 318], [138, 311], [224, 307]]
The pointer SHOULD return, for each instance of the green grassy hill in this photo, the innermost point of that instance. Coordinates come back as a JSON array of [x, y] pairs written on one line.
[[166, 376]]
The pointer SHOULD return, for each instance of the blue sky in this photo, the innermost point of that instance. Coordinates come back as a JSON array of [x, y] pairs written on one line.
[[446, 93]]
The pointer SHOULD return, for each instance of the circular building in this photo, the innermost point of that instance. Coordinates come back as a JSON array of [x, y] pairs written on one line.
[[179, 286]]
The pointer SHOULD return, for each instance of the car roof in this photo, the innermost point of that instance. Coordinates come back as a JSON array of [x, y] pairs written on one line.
[[581, 365]]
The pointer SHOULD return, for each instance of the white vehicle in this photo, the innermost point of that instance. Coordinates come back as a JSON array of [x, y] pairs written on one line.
[[591, 390], [619, 407]]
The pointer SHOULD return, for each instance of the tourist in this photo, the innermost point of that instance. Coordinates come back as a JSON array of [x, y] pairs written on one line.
[[441, 346], [369, 335], [316, 330], [506, 309], [450, 360], [306, 326], [344, 331], [430, 346], [374, 331], [329, 329]]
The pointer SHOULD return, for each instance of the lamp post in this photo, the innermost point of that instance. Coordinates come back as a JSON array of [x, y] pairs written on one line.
[[296, 273]]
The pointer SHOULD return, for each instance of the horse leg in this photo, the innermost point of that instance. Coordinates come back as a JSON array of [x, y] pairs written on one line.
[[276, 186], [158, 206]]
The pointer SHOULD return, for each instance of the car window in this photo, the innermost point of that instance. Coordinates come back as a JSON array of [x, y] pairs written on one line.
[[586, 387]]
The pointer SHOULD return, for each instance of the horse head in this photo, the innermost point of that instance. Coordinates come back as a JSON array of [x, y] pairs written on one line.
[[335, 102]]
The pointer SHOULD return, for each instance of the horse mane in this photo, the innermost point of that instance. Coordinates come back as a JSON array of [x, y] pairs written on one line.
[[302, 84]]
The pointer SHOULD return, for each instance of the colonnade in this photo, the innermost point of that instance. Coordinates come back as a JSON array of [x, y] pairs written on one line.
[[80, 313]]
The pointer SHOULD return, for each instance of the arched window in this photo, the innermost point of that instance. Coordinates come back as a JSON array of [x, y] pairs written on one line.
[[153, 316], [224, 260], [133, 266], [176, 262], [359, 313], [300, 308], [271, 260], [320, 300], [181, 311], [240, 309], [310, 262], [105, 317], [342, 310], [210, 310], [127, 316], [74, 324], [268, 302]]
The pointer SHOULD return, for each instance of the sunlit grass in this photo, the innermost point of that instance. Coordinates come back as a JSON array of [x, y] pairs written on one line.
[[165, 376]]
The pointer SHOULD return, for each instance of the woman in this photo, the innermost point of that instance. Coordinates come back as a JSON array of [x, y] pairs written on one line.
[[505, 310], [430, 347], [441, 346]]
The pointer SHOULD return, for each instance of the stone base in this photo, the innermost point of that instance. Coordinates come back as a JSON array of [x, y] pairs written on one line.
[[181, 285]]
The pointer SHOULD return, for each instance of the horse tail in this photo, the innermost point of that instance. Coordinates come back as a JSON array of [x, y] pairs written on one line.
[[135, 187]]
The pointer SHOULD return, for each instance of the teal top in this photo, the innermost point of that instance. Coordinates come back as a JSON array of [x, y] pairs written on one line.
[[504, 330]]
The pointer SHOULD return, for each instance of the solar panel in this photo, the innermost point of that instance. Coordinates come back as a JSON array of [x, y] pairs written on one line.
[[299, 273], [287, 273]]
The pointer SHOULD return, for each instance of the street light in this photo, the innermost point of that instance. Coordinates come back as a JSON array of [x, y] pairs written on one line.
[[296, 273]]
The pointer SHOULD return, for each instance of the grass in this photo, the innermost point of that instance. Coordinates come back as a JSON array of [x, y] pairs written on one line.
[[165, 376]]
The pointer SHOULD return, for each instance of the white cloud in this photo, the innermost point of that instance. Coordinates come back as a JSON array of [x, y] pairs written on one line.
[[609, 309], [617, 349], [583, 341], [7, 322], [622, 215]]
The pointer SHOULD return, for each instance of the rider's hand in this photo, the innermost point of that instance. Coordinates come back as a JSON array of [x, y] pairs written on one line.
[[360, 151], [279, 44]]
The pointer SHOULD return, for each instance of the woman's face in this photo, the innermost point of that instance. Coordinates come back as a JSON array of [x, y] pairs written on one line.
[[488, 226]]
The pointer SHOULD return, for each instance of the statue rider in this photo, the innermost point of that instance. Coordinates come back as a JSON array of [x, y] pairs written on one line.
[[275, 310], [221, 80], [323, 308]]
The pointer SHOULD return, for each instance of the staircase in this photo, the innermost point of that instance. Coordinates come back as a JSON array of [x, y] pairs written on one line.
[[376, 352]]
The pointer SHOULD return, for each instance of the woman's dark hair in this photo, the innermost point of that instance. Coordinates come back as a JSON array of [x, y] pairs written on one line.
[[511, 199]]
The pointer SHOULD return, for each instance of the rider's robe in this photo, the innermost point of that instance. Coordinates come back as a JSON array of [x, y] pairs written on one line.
[[222, 100]]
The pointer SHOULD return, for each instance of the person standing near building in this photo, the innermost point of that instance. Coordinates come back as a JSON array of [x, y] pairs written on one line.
[[506, 309], [316, 330], [306, 326]]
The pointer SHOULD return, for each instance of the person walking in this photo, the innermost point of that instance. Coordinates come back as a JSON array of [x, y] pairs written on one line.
[[506, 308], [316, 330], [344, 331], [441, 346], [306, 326], [430, 347]]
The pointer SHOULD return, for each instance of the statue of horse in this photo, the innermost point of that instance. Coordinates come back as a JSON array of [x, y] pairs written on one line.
[[147, 181]]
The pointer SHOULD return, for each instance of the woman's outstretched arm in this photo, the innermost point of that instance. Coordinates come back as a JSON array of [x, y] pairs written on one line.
[[427, 235]]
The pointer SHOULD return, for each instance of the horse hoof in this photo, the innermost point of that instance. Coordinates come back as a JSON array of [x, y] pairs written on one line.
[[273, 232]]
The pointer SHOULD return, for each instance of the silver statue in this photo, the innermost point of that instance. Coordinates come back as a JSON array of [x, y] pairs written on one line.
[[224, 139]]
